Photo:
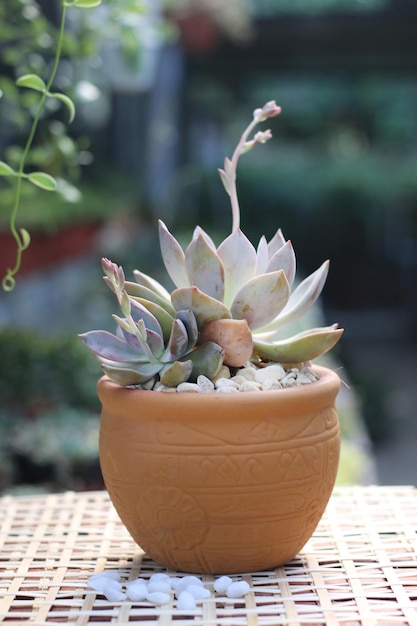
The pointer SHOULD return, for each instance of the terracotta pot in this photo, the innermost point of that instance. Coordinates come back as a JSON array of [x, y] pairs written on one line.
[[220, 483]]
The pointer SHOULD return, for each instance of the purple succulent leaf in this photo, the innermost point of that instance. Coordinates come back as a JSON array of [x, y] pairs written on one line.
[[151, 283], [132, 340], [155, 343], [140, 312], [239, 261], [177, 344], [107, 346], [128, 376], [205, 308], [188, 319], [172, 256], [164, 318], [284, 259], [300, 348], [204, 268], [261, 299], [276, 243]]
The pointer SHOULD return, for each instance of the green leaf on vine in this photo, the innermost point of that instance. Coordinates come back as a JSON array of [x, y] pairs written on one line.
[[86, 3], [25, 237], [68, 103], [6, 170], [42, 180], [31, 81]]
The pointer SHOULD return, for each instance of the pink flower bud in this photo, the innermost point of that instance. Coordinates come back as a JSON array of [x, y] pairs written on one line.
[[270, 109]]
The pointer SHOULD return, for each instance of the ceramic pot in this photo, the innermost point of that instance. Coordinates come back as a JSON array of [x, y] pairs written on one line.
[[220, 483]]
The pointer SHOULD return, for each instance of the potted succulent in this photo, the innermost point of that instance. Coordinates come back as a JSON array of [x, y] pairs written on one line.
[[219, 440]]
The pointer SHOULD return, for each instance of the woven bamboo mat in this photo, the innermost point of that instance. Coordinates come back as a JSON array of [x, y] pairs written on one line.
[[360, 567]]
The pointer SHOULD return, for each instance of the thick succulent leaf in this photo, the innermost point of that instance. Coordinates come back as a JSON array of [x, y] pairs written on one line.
[[176, 373], [190, 323], [177, 344], [151, 283], [164, 318], [261, 299], [140, 312], [125, 376], [206, 360], [155, 343], [199, 231], [239, 261], [173, 257], [276, 243], [303, 347], [204, 268], [283, 259], [141, 292], [302, 298], [131, 339], [205, 308], [105, 345], [261, 256]]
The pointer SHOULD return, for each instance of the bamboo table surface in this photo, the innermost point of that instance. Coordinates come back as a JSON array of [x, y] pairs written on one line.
[[360, 566]]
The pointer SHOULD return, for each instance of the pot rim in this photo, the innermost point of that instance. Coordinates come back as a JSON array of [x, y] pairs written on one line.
[[328, 383]]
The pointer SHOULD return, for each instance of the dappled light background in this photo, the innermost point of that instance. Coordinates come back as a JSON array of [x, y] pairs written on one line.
[[163, 89]]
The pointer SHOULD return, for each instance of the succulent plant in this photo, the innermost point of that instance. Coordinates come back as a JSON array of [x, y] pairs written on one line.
[[230, 305]]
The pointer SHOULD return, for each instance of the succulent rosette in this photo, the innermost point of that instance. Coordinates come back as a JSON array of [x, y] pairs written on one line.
[[230, 305]]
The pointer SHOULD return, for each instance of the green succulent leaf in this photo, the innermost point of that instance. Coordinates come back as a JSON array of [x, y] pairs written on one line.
[[67, 102], [42, 180], [176, 373], [206, 360], [173, 257], [305, 346], [6, 170], [261, 299], [32, 81], [205, 308], [239, 261], [204, 268], [140, 292], [152, 284]]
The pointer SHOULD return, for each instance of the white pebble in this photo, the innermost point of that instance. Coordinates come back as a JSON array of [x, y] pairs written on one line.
[[250, 385], [237, 589], [271, 384], [158, 577], [226, 382], [188, 387], [205, 385], [159, 585], [174, 582], [137, 592], [112, 593], [136, 581], [186, 601], [199, 592], [221, 584], [158, 597], [302, 379], [185, 582], [99, 581], [248, 373], [227, 389]]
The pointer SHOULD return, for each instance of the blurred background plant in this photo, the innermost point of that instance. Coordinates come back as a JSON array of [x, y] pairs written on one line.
[[150, 132]]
